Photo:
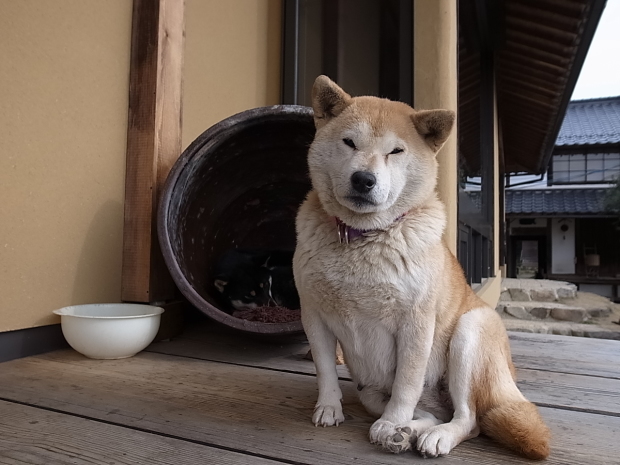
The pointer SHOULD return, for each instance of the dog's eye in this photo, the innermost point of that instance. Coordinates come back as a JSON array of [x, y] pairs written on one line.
[[396, 150], [349, 142]]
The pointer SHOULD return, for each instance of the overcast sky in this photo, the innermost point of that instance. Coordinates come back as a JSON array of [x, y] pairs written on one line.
[[600, 75]]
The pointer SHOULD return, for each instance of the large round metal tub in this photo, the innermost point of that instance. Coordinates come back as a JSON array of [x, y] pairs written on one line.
[[239, 184]]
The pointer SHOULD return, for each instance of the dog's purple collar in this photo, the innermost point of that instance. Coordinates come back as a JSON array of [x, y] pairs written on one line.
[[346, 233]]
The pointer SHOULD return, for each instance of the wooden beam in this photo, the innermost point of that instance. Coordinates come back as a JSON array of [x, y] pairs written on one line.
[[332, 19], [153, 142]]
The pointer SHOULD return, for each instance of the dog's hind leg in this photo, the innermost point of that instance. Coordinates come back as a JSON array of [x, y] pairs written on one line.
[[464, 364], [373, 400]]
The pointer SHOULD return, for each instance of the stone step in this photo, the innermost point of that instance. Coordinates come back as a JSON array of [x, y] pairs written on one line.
[[540, 290], [563, 328], [529, 310]]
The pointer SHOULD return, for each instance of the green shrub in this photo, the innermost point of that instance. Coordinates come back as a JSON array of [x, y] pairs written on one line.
[[612, 201]]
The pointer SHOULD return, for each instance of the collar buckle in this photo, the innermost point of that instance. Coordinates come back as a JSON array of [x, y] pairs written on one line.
[[343, 233]]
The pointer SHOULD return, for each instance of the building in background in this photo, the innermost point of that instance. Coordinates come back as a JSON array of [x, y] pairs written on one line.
[[558, 225]]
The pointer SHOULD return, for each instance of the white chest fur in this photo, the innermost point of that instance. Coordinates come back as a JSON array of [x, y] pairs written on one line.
[[365, 290]]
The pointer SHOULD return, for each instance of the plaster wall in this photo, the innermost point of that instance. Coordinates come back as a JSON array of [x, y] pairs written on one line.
[[63, 129], [562, 246], [63, 121], [232, 60]]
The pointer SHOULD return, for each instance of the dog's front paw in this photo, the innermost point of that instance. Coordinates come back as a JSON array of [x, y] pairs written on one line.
[[327, 415], [380, 431], [436, 441]]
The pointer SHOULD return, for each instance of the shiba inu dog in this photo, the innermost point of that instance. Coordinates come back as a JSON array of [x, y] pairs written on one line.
[[430, 359]]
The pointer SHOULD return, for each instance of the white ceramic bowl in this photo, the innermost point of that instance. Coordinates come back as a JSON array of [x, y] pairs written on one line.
[[109, 331]]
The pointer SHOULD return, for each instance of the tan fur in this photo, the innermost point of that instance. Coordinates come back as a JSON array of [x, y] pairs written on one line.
[[434, 126], [396, 299], [328, 101], [507, 418], [518, 426]]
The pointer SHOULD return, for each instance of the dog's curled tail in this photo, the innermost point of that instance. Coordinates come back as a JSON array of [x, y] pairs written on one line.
[[519, 426]]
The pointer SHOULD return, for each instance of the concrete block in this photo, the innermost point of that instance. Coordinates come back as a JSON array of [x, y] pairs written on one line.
[[562, 331], [518, 312], [523, 330], [577, 315], [543, 295], [598, 312], [613, 335], [519, 295], [567, 292], [510, 283], [539, 312]]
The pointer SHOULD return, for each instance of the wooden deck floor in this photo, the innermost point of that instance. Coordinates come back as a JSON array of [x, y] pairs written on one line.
[[214, 398]]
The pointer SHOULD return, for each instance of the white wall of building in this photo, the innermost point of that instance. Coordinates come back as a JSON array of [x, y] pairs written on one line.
[[563, 246], [600, 289]]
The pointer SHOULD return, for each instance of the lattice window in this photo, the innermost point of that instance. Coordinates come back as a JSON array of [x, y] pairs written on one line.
[[588, 168]]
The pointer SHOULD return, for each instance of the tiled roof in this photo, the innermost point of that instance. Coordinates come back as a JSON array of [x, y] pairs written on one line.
[[593, 121], [556, 201]]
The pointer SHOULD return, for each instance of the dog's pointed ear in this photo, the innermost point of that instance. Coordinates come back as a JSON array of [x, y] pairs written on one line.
[[328, 100], [434, 126]]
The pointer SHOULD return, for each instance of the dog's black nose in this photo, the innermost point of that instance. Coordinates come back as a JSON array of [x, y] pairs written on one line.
[[363, 181]]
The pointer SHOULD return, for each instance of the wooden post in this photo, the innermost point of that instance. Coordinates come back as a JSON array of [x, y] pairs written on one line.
[[435, 85], [153, 142]]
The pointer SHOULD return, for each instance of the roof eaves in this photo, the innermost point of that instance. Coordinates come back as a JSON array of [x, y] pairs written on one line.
[[597, 7]]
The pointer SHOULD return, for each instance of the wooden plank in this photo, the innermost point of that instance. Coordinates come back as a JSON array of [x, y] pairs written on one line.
[[548, 352], [217, 344], [545, 388], [566, 354], [33, 435], [207, 342], [572, 392], [593, 437], [255, 410], [153, 142]]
